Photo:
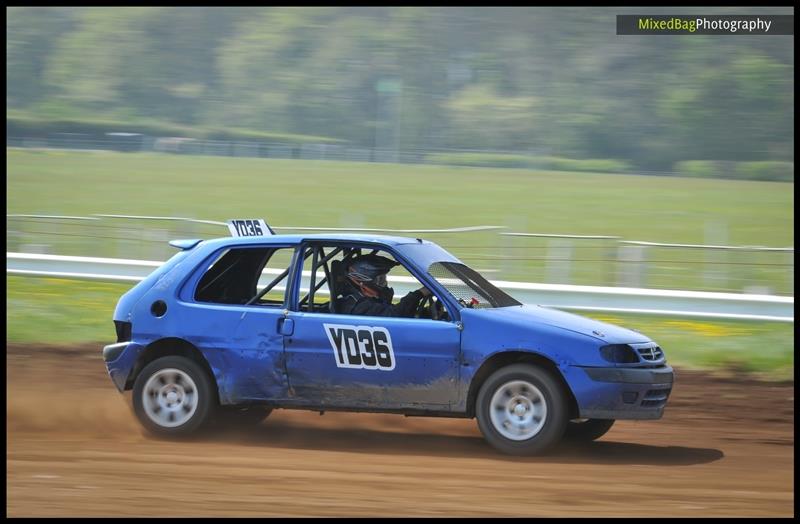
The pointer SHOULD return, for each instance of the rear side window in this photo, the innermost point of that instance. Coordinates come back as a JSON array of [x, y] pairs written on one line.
[[246, 276]]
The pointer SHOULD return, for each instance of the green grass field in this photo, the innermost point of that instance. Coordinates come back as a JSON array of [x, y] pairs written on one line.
[[346, 194], [341, 194], [70, 311]]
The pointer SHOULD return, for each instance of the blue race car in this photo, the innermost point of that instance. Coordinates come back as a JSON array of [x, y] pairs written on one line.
[[229, 329]]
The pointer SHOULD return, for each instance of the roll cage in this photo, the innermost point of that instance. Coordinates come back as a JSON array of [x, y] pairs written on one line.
[[333, 271]]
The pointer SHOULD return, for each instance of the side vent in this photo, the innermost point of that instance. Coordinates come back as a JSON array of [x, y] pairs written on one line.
[[123, 331]]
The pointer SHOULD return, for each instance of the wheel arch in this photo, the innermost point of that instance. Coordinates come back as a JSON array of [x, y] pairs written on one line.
[[506, 358], [166, 347]]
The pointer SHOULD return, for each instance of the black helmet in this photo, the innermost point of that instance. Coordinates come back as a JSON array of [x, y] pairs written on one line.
[[367, 268], [371, 270]]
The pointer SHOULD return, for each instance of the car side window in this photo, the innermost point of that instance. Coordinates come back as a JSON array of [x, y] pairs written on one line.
[[319, 264], [247, 275], [468, 287], [324, 281]]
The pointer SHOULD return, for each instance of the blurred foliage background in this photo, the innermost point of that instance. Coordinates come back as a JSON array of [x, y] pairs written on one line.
[[549, 84]]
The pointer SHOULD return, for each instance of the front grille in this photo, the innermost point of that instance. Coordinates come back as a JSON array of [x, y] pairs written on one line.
[[656, 398], [651, 354]]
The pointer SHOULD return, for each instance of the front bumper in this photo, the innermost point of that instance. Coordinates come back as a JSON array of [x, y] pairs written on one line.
[[120, 359], [622, 393]]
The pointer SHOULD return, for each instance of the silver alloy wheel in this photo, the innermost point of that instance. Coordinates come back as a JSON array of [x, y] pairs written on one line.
[[518, 410], [170, 397]]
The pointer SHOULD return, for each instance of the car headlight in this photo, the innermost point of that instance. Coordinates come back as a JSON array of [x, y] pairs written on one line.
[[619, 354]]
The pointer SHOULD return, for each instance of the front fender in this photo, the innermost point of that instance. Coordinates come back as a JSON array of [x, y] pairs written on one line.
[[486, 333], [489, 340]]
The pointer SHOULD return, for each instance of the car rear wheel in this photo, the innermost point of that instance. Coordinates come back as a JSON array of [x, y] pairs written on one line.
[[522, 410], [173, 396], [587, 430]]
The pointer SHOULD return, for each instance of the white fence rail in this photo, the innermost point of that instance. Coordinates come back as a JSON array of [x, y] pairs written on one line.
[[587, 298], [595, 260]]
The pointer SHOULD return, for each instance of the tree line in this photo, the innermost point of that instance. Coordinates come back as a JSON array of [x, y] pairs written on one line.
[[553, 82]]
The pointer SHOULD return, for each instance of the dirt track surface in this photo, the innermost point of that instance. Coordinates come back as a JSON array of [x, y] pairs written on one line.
[[724, 447]]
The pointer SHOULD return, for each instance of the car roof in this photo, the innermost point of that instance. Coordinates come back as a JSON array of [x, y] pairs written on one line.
[[335, 237]]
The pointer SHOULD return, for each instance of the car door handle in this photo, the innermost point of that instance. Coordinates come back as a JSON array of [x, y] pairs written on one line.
[[285, 326]]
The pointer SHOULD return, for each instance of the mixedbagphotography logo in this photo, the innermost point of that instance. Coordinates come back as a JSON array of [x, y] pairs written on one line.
[[705, 24]]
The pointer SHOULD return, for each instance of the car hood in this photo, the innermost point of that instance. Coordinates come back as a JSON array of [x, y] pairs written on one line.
[[529, 316]]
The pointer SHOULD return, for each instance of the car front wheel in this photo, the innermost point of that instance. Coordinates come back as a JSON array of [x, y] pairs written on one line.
[[522, 410], [173, 396]]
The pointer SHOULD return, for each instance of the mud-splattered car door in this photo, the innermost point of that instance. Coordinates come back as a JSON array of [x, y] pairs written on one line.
[[373, 362]]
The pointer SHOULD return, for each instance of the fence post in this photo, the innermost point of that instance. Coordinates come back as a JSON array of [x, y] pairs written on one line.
[[511, 265], [610, 253], [715, 260], [559, 260], [631, 261], [507, 263], [13, 234]]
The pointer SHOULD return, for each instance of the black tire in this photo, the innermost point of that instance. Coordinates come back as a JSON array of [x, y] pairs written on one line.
[[587, 430], [539, 393], [173, 396], [240, 416]]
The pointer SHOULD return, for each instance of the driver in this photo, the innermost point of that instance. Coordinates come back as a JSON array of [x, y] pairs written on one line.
[[365, 291]]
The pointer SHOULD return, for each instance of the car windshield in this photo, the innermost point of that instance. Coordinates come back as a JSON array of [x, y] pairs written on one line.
[[469, 287]]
